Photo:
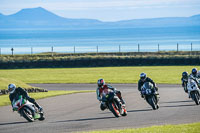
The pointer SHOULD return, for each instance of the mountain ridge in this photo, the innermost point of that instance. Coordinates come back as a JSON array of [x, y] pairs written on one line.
[[42, 18]]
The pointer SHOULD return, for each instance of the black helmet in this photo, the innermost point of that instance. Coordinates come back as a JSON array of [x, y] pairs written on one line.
[[100, 82], [194, 71], [143, 76], [185, 75]]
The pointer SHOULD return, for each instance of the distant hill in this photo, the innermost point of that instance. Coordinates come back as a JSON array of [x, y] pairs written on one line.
[[162, 22], [41, 18]]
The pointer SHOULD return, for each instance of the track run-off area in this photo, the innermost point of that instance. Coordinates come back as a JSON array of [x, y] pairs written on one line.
[[81, 112]]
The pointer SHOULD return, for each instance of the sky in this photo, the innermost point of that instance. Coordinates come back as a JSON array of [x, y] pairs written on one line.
[[107, 10]]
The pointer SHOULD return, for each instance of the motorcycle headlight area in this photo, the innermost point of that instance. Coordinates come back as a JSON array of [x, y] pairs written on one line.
[[148, 91]]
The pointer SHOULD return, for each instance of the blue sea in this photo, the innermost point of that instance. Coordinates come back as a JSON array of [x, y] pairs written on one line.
[[27, 41]]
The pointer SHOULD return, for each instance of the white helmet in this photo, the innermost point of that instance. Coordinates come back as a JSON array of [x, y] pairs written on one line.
[[11, 88]]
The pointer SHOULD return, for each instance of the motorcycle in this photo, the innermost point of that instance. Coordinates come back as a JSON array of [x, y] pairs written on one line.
[[112, 102], [27, 109], [150, 95], [193, 91], [185, 86]]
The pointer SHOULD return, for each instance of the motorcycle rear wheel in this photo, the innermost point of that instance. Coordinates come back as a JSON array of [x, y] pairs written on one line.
[[41, 117], [125, 111]]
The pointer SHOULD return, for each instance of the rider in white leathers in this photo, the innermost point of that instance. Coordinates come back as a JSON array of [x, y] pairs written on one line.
[[195, 76]]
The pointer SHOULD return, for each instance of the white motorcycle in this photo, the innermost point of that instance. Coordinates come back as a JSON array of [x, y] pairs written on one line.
[[193, 90], [27, 109]]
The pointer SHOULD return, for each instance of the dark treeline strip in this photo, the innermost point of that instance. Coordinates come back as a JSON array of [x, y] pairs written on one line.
[[160, 53], [101, 62], [29, 90]]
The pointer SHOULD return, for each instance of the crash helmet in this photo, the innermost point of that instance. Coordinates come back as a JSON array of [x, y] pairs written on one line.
[[194, 71], [100, 82], [143, 76], [185, 75], [11, 88]]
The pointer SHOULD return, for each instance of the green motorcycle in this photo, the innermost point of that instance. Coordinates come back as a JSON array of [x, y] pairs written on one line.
[[27, 109]]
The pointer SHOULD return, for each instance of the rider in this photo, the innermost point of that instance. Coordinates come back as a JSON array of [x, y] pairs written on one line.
[[184, 80], [194, 75], [143, 79], [15, 92], [101, 86], [198, 74]]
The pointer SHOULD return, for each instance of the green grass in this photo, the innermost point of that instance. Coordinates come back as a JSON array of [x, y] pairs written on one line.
[[182, 128], [160, 74], [4, 99], [4, 82], [59, 56]]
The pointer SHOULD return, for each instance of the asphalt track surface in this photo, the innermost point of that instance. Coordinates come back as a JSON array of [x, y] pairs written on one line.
[[81, 112]]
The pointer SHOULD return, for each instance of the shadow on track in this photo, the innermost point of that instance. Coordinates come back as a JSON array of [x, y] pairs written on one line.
[[140, 110], [87, 119], [178, 101], [13, 123], [172, 103], [178, 105]]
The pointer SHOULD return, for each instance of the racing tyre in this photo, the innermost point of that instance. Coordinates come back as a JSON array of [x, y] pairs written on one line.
[[151, 101], [125, 111], [41, 117], [195, 97], [27, 114], [114, 109]]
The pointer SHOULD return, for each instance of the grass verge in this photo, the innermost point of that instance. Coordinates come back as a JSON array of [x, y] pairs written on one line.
[[4, 99], [4, 82], [160, 74], [182, 128], [60, 56]]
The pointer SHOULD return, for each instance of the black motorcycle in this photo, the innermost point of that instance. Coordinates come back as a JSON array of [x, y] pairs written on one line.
[[150, 95], [113, 103], [185, 85]]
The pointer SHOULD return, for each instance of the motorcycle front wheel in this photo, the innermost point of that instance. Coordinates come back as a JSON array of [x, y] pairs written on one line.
[[195, 97], [27, 114], [113, 109], [152, 102]]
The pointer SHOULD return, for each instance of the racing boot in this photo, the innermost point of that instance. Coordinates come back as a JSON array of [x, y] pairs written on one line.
[[38, 106], [157, 106], [142, 96], [157, 94], [123, 102], [40, 109], [103, 106]]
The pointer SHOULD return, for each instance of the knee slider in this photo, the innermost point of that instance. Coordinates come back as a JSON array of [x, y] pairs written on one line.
[[103, 106]]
